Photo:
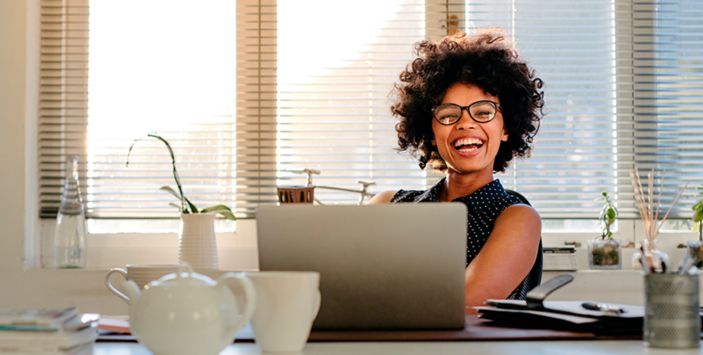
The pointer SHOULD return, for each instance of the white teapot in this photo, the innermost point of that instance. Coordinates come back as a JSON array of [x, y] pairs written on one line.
[[187, 313]]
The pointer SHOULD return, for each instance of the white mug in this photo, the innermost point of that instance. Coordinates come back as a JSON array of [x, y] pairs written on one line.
[[287, 303], [140, 274]]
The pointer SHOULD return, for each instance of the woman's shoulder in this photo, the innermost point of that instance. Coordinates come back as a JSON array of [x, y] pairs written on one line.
[[522, 211], [396, 196], [516, 206], [383, 197], [522, 218]]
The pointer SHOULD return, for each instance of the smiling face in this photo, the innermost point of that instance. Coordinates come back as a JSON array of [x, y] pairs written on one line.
[[466, 146]]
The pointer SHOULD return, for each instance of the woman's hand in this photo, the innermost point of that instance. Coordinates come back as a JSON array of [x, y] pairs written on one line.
[[506, 258]]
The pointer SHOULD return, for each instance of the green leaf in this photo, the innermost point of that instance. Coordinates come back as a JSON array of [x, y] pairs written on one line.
[[698, 216], [228, 215], [696, 227], [215, 209], [698, 205], [175, 205], [192, 206], [222, 210], [171, 191], [611, 213]]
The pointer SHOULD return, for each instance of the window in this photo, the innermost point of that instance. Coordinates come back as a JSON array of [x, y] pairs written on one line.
[[622, 79], [333, 111], [305, 85]]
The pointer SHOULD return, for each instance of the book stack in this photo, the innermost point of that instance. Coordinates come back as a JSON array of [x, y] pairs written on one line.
[[47, 332], [559, 258]]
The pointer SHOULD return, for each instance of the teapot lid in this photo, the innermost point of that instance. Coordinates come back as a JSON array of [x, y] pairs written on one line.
[[184, 276]]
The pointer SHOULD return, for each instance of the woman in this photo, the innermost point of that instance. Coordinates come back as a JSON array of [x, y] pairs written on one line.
[[468, 105]]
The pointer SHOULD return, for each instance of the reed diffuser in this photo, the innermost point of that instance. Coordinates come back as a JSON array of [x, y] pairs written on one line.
[[649, 256]]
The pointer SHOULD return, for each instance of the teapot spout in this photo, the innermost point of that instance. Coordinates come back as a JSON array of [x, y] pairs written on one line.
[[132, 290]]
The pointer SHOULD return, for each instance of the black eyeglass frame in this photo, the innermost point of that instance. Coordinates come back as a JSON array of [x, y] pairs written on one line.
[[467, 108]]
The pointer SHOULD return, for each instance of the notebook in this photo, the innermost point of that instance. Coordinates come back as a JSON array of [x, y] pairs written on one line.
[[389, 266]]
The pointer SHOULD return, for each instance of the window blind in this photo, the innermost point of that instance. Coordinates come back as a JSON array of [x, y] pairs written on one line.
[[199, 76], [63, 105], [272, 103], [305, 84], [672, 95], [333, 87], [622, 86]]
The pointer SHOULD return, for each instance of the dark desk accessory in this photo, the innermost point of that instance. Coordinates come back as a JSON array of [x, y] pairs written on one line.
[[538, 294], [535, 312]]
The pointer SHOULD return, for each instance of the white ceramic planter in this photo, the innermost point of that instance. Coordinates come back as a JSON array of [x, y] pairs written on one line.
[[197, 244]]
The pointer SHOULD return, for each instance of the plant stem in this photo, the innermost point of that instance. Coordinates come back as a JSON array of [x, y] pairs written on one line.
[[184, 206]]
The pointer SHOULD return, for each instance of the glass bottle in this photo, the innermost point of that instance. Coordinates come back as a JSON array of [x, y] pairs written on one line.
[[69, 238]]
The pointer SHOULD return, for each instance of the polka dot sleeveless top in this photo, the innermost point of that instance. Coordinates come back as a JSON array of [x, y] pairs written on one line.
[[484, 206]]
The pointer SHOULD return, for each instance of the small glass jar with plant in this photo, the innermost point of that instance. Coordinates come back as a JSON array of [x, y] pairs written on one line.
[[698, 216], [604, 252], [696, 247]]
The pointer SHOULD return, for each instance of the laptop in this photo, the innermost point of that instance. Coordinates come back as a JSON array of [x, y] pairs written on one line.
[[387, 266]]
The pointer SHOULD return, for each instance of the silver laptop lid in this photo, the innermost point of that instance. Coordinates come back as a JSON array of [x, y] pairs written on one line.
[[389, 266]]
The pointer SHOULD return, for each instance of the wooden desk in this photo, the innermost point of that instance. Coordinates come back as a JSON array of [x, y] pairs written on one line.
[[576, 347]]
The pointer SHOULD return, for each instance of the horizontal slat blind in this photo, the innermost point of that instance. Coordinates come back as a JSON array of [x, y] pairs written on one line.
[[620, 92], [333, 107], [259, 89], [672, 96], [192, 74], [63, 105]]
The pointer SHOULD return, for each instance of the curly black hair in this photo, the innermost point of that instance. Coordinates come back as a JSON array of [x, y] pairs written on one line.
[[484, 59]]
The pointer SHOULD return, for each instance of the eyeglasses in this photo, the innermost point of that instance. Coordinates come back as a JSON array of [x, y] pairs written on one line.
[[480, 111]]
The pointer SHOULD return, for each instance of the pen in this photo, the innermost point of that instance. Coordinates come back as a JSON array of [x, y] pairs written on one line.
[[689, 260], [603, 307]]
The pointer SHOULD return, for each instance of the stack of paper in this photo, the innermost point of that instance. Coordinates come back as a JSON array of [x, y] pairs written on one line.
[[47, 332], [559, 258]]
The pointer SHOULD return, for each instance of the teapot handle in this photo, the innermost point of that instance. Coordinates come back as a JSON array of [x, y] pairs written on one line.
[[249, 293]]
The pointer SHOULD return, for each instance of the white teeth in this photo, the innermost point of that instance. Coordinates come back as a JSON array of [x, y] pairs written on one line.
[[468, 141]]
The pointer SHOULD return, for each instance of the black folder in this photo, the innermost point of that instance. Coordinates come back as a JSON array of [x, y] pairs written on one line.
[[535, 312]]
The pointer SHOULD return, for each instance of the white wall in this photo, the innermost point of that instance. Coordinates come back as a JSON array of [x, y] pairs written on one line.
[[31, 288]]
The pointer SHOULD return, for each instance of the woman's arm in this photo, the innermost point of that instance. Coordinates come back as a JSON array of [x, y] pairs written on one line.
[[506, 258], [382, 197]]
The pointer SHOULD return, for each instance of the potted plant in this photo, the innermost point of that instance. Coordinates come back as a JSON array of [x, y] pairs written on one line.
[[197, 243], [604, 252]]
